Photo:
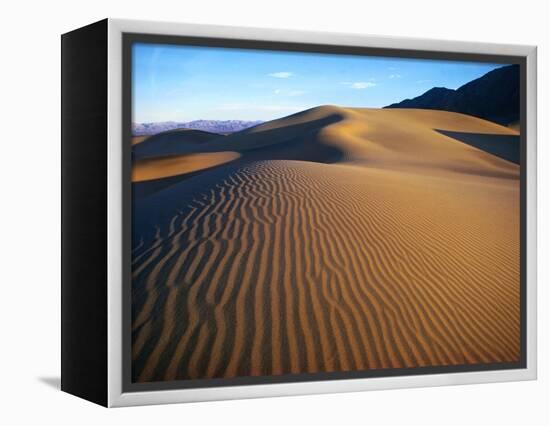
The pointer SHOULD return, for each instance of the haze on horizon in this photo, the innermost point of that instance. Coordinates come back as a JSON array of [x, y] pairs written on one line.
[[185, 83]]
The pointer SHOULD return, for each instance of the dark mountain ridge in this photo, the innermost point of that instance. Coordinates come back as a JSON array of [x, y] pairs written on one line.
[[494, 96]]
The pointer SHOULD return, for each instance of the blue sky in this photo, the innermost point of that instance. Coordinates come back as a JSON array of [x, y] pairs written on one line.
[[184, 83]]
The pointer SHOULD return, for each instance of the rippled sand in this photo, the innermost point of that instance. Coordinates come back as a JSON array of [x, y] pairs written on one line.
[[336, 240]]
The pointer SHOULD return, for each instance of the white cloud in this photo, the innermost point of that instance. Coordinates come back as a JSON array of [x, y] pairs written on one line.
[[395, 76], [281, 74], [284, 92], [359, 85], [362, 85]]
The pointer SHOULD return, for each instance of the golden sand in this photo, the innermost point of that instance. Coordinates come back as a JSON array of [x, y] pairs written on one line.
[[138, 139], [402, 253], [171, 165]]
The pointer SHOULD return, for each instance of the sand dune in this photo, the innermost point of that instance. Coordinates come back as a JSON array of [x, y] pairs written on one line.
[[138, 139], [340, 239], [171, 165], [171, 142], [401, 138]]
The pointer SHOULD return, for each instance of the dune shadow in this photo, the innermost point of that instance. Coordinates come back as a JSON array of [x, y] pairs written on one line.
[[282, 143], [172, 142], [53, 382], [146, 188], [251, 139], [506, 147]]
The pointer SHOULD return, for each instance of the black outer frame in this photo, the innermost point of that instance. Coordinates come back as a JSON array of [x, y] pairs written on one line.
[[84, 74], [129, 38]]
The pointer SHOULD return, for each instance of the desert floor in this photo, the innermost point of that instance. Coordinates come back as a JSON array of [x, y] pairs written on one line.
[[336, 239]]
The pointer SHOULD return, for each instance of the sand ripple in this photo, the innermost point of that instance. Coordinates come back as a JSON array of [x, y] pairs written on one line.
[[280, 267]]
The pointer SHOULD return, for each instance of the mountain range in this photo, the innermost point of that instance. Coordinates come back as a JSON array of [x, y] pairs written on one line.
[[214, 126], [495, 97]]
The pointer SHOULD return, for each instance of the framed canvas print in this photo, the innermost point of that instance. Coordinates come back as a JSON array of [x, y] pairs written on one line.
[[251, 213]]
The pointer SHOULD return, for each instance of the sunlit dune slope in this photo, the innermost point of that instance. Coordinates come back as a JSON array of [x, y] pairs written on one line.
[[340, 239], [138, 139], [170, 165]]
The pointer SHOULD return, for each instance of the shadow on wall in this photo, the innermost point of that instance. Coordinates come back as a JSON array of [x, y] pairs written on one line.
[[53, 382]]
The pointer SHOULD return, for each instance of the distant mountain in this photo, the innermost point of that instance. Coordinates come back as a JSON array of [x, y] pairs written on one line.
[[214, 126], [494, 97]]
